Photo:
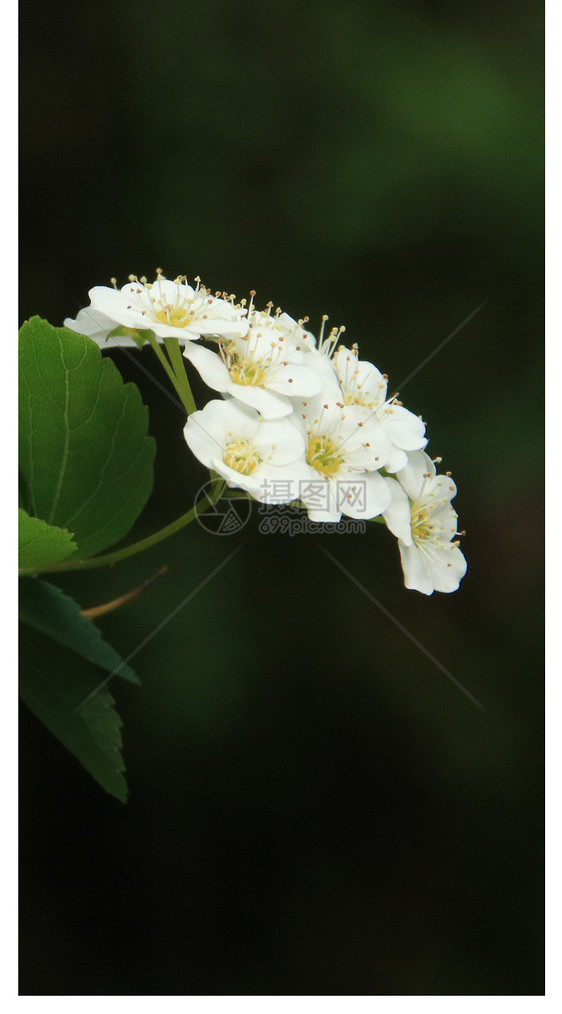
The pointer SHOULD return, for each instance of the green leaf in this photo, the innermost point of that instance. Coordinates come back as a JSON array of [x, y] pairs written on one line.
[[49, 611], [41, 544], [85, 457], [55, 683]]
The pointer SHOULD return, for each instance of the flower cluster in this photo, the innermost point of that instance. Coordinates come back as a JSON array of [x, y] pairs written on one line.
[[301, 420]]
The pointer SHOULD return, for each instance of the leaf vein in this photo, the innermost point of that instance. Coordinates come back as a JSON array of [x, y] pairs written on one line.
[[66, 436], [100, 481]]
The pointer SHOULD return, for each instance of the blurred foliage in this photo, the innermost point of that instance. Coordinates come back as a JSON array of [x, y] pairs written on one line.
[[314, 807]]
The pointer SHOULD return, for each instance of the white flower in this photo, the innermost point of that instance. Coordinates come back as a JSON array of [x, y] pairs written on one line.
[[248, 451], [263, 368], [294, 330], [360, 383], [171, 309], [345, 447], [431, 561]]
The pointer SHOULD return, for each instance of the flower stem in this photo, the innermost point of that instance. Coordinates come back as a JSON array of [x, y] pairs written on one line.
[[181, 382], [108, 607], [161, 356], [108, 559]]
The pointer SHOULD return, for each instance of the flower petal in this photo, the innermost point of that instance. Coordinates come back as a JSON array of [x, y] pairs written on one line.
[[318, 495], [416, 572], [251, 483], [446, 566], [208, 431], [98, 326], [209, 365], [278, 442], [413, 476], [115, 305], [396, 460], [359, 379], [362, 494], [397, 514], [294, 332], [204, 439], [281, 484], [271, 405], [405, 429], [294, 381]]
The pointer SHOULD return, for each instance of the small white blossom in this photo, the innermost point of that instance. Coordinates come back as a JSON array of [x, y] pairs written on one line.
[[295, 331], [250, 452], [431, 560], [170, 309], [360, 383], [263, 368], [345, 447]]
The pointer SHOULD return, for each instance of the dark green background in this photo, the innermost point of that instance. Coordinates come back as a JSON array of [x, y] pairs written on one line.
[[314, 808]]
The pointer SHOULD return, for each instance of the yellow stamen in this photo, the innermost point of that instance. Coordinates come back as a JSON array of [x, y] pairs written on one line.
[[322, 454], [175, 316], [242, 456], [247, 373]]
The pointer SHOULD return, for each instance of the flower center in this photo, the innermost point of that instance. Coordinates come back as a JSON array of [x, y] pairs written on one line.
[[247, 373], [322, 454], [243, 370], [242, 456], [175, 316], [356, 398], [421, 522]]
